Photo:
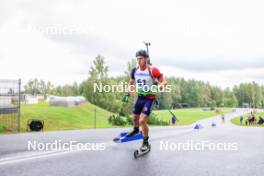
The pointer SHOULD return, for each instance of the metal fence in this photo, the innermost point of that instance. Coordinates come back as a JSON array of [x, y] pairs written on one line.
[[10, 104]]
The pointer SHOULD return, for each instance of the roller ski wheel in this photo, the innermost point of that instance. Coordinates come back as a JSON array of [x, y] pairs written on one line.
[[138, 153], [116, 139]]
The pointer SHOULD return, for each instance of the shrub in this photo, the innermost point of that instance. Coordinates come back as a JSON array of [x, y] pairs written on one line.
[[129, 120], [117, 120], [153, 120], [218, 110]]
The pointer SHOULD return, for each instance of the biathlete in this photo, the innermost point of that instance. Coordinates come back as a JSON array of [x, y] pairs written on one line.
[[145, 78]]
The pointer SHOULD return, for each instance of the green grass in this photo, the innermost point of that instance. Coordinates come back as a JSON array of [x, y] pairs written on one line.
[[189, 116], [61, 118], [1, 129], [236, 120], [82, 116]]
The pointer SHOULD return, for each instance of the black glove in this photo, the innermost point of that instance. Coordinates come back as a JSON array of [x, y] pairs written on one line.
[[126, 97]]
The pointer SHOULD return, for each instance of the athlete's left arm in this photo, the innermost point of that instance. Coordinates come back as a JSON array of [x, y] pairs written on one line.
[[159, 76]]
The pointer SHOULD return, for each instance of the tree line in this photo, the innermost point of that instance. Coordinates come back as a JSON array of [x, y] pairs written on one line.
[[185, 93], [36, 86]]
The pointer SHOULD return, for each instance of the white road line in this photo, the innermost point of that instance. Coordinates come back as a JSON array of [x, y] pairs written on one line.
[[27, 157], [15, 159]]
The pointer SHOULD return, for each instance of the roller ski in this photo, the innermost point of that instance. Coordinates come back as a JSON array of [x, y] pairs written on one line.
[[129, 136], [144, 149]]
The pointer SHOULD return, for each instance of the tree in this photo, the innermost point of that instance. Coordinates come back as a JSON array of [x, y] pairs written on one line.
[[99, 70], [32, 87], [98, 75], [130, 65]]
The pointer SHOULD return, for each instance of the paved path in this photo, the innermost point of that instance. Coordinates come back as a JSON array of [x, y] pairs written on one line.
[[117, 159]]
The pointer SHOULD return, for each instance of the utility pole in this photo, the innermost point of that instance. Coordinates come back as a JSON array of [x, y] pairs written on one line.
[[19, 105], [95, 118]]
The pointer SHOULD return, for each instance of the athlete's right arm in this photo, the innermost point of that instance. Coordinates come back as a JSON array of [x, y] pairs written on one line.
[[129, 90], [131, 86], [131, 82]]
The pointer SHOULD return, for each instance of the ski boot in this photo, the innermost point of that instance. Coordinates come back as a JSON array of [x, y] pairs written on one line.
[[144, 149]]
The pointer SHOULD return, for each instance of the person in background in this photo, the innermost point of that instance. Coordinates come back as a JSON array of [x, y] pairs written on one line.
[[254, 119], [173, 120], [241, 119], [247, 120], [223, 118]]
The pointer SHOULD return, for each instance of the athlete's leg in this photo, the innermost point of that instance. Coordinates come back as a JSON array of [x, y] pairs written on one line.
[[135, 120], [143, 118], [143, 123]]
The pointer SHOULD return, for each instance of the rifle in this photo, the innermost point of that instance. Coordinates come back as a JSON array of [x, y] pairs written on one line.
[[147, 46], [155, 82]]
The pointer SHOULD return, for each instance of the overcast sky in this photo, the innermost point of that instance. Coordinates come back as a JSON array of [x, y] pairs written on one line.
[[217, 41]]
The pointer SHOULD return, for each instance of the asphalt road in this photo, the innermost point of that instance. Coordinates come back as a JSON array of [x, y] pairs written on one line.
[[171, 153]]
